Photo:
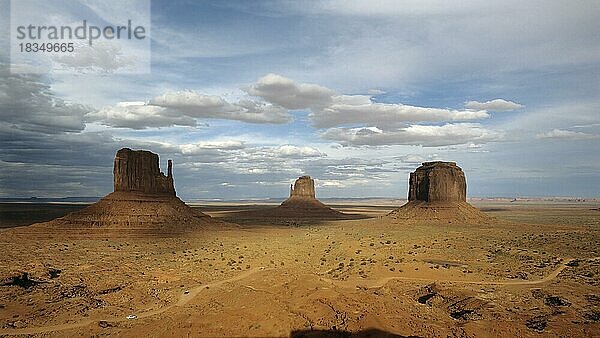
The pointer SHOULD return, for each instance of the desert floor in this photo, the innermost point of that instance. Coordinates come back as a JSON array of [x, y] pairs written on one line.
[[535, 273]]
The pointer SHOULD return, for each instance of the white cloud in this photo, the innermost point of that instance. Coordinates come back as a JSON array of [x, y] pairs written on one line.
[[543, 121], [271, 154], [260, 112], [199, 105], [563, 134], [289, 94], [138, 115], [100, 57], [193, 103], [329, 108], [198, 147], [344, 183], [387, 113], [184, 107], [427, 136], [297, 152], [382, 123], [493, 105]]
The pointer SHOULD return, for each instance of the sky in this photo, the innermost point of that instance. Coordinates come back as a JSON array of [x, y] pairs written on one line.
[[247, 96]]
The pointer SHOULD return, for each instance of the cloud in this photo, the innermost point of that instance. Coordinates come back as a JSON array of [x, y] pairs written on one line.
[[138, 115], [562, 134], [329, 108], [414, 44], [343, 183], [382, 123], [379, 123], [28, 103], [193, 103], [289, 151], [387, 113], [426, 136], [100, 57], [493, 105], [193, 148], [260, 112], [289, 94], [271, 154], [182, 108], [199, 105]]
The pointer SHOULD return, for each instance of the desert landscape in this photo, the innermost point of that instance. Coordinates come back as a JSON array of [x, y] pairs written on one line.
[[140, 262]]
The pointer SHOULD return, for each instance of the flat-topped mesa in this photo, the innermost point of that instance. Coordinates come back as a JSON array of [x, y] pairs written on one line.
[[304, 187], [438, 195], [144, 200], [138, 171], [438, 182]]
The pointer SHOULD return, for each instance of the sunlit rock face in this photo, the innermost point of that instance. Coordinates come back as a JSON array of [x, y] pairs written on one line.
[[437, 194], [144, 200], [304, 187], [438, 182], [138, 170]]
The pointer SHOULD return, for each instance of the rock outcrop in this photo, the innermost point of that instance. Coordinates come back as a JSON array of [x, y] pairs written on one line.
[[143, 200], [302, 198], [438, 182], [138, 170], [437, 194], [302, 195], [302, 206], [304, 187]]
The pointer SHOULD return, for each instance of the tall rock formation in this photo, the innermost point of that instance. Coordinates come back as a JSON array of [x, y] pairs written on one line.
[[438, 182], [304, 187], [302, 195], [301, 206], [437, 194], [138, 170], [143, 200]]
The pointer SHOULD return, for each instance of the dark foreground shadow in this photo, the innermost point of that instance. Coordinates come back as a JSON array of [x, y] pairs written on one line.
[[288, 217], [286, 222], [368, 333], [20, 214]]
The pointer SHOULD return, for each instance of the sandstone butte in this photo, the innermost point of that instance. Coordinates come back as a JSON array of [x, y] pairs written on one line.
[[438, 194], [302, 195], [143, 199], [302, 205]]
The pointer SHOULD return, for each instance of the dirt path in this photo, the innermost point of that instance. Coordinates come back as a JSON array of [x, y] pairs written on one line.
[[184, 298], [188, 295], [378, 283]]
